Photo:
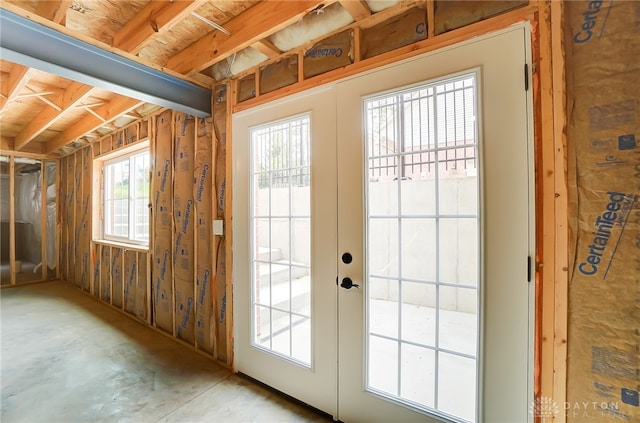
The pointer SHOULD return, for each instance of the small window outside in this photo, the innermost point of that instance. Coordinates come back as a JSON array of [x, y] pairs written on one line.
[[126, 198]]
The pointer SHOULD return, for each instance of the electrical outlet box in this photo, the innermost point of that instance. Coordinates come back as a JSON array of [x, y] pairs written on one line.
[[218, 227]]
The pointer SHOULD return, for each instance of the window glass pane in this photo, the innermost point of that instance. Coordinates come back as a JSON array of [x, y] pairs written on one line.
[[126, 198]]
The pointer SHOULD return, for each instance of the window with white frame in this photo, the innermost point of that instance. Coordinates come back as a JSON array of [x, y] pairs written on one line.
[[125, 197]]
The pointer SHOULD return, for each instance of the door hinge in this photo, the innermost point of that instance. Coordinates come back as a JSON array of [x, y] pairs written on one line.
[[526, 77], [529, 269]]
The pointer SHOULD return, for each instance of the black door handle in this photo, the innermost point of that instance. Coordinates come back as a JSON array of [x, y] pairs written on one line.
[[347, 283]]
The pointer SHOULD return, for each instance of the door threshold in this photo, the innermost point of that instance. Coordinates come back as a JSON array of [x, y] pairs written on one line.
[[288, 397]]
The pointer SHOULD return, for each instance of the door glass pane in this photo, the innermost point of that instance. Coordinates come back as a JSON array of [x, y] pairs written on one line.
[[422, 247], [281, 238]]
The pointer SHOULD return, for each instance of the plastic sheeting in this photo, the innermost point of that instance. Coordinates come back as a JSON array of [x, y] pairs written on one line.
[[28, 204]]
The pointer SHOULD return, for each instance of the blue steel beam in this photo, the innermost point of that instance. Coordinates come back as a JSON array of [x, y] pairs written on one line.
[[37, 46]]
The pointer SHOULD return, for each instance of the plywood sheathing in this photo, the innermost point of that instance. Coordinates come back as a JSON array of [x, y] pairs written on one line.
[[191, 29], [100, 20]]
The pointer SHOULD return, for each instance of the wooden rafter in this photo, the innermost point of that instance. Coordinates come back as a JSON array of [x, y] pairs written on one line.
[[358, 9], [89, 123], [155, 18], [72, 96], [18, 78], [54, 10], [251, 26], [267, 48]]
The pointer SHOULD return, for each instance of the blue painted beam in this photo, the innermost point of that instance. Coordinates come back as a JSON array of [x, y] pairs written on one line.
[[37, 46]]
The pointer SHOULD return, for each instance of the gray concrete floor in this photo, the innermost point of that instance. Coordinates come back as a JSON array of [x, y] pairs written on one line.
[[66, 357]]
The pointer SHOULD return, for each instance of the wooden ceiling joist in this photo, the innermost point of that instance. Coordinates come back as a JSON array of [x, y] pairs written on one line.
[[109, 111], [251, 26], [72, 96], [358, 9], [17, 80], [155, 18]]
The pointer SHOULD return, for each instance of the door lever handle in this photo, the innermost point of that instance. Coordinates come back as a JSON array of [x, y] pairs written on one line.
[[347, 283]]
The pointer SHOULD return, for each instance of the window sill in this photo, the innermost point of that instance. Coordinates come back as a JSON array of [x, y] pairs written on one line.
[[123, 245]]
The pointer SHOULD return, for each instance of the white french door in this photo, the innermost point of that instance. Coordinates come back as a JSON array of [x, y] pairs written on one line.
[[382, 235], [284, 246]]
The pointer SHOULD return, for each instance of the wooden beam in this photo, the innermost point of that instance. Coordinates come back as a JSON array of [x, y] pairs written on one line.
[[89, 123], [267, 48], [155, 18], [561, 196], [431, 18], [358, 9], [54, 10], [228, 224], [255, 24], [18, 78], [33, 151], [72, 96]]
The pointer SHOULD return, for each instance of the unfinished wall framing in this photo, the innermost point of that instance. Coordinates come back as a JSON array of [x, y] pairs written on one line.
[[407, 28], [28, 218], [178, 284]]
